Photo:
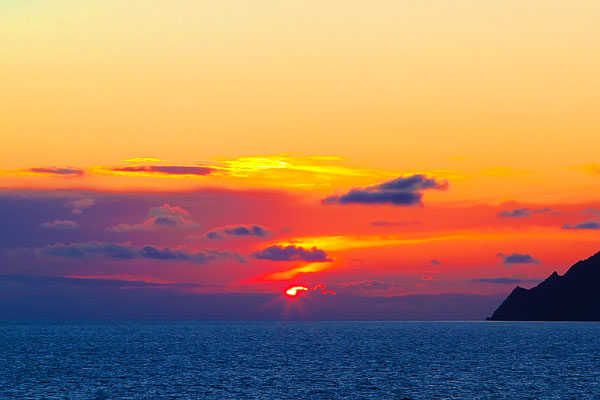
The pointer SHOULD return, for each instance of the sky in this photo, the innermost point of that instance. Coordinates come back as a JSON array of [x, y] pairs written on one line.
[[232, 150]]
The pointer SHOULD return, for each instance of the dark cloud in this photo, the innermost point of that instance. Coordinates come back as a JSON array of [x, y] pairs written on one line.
[[435, 262], [291, 253], [57, 171], [403, 191], [214, 235], [166, 253], [128, 252], [583, 225], [504, 281], [517, 258], [411, 184], [168, 169], [253, 230], [516, 213], [60, 224], [76, 250], [239, 230], [363, 196]]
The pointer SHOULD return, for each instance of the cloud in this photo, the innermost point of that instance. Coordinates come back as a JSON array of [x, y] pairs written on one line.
[[254, 230], [239, 230], [45, 280], [291, 253], [591, 210], [60, 224], [516, 258], [77, 206], [522, 212], [392, 223], [214, 235], [129, 252], [360, 196], [23, 211], [516, 213], [435, 262], [403, 191], [165, 216], [81, 203], [31, 302], [583, 225], [176, 170], [48, 171], [369, 285], [56, 171], [167, 210], [504, 281], [412, 183]]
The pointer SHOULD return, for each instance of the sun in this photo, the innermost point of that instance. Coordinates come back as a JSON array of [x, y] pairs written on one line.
[[295, 290]]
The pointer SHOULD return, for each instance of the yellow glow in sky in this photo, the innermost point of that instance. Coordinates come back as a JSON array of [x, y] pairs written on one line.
[[387, 84]]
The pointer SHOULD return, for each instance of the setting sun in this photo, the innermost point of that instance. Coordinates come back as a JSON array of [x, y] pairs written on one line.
[[294, 291]]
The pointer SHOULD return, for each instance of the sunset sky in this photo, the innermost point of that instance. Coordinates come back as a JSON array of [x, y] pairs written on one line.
[[377, 148]]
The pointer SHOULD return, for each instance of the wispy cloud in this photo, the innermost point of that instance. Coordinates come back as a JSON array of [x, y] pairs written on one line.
[[158, 170], [279, 170], [60, 224], [392, 223], [523, 212], [77, 206], [44, 171], [516, 213], [591, 210], [504, 281], [370, 285], [91, 282], [124, 251]]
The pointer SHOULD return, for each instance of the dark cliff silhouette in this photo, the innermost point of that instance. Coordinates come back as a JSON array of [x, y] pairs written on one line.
[[574, 296]]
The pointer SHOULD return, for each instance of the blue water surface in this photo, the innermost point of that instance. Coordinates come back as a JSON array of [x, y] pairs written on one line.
[[299, 360]]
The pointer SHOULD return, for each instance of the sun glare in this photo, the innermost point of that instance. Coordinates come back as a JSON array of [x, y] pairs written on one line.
[[295, 290]]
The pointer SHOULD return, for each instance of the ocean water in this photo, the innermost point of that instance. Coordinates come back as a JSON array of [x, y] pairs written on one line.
[[299, 360]]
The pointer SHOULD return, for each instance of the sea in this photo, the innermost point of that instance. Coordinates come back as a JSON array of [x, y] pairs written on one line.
[[299, 360]]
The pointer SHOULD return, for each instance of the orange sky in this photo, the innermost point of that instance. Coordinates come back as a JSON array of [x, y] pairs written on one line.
[[310, 99]]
